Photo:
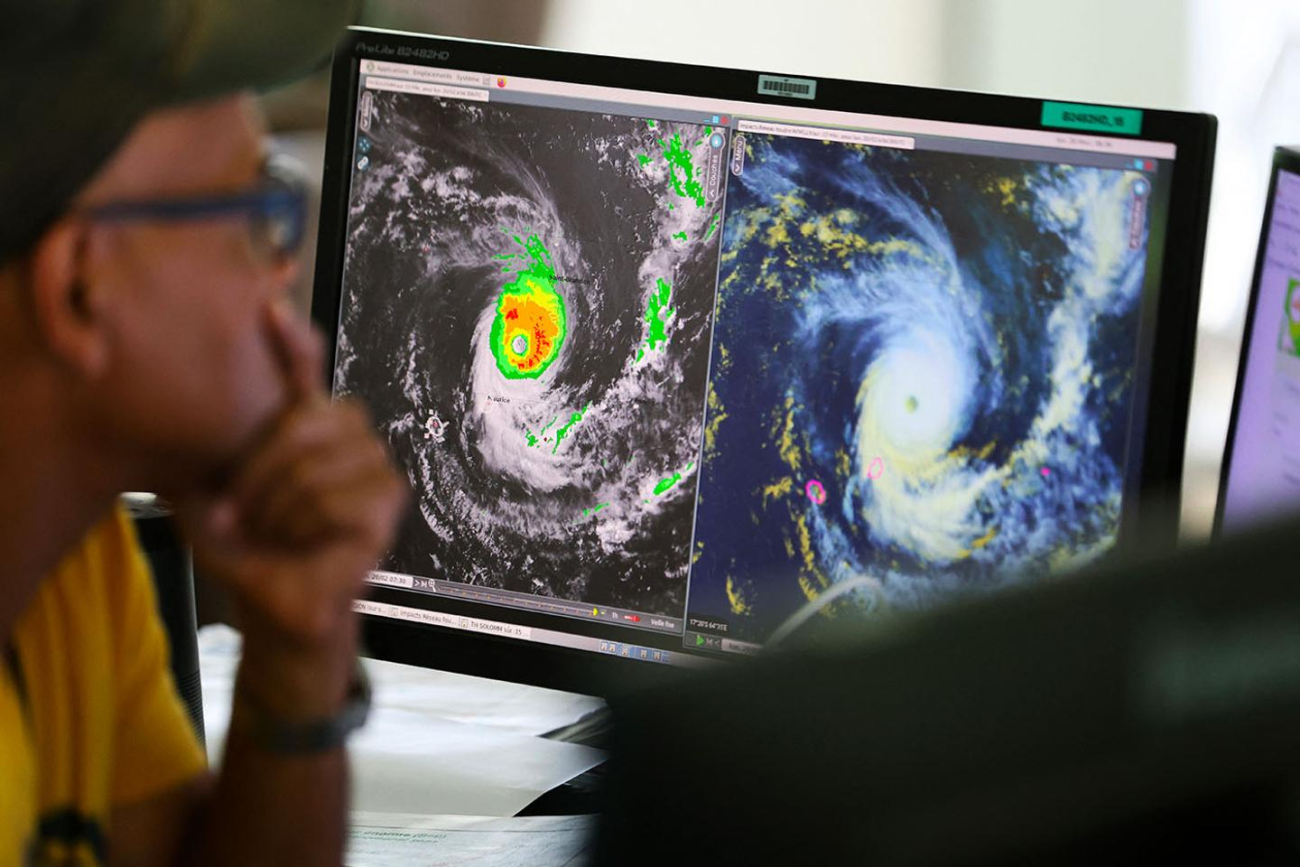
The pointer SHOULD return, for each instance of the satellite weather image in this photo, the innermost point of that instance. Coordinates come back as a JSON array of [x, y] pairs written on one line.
[[922, 375], [527, 308]]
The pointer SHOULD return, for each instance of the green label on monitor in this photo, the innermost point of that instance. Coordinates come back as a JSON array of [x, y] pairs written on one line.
[[1093, 118]]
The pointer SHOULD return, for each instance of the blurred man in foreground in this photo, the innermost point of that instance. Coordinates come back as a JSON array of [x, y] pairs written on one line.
[[145, 246]]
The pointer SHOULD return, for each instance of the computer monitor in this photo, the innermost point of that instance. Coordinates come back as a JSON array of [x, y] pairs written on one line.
[[1260, 479], [667, 351]]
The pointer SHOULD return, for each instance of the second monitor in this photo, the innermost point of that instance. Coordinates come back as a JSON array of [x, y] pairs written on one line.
[[1261, 466]]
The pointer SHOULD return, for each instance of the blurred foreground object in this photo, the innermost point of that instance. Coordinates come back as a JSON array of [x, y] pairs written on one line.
[[1150, 707], [302, 106]]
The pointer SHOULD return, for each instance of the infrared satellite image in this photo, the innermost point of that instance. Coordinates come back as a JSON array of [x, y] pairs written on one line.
[[527, 307], [922, 375]]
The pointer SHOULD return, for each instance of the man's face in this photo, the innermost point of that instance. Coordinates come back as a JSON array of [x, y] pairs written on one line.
[[193, 377]]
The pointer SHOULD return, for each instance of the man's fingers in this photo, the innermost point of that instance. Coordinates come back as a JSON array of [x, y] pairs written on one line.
[[340, 466], [317, 427], [363, 512], [297, 348]]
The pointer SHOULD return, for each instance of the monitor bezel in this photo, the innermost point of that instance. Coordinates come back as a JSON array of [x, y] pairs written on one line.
[[1284, 159], [1165, 414]]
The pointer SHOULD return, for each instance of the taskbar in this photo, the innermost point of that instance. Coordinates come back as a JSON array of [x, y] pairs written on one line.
[[527, 602], [481, 626]]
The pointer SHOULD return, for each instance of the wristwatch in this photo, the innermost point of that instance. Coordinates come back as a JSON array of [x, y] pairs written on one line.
[[275, 735]]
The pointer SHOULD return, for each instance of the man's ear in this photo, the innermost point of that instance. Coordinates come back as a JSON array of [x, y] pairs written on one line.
[[67, 302]]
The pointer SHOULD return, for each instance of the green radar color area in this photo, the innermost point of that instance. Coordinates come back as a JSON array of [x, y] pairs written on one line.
[[681, 170], [667, 484], [531, 324], [687, 182], [658, 311], [1293, 315]]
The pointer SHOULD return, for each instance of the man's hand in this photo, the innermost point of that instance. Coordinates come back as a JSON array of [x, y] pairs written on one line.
[[296, 530], [292, 533]]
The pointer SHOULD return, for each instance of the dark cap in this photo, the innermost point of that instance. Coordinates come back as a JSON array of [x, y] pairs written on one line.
[[76, 76]]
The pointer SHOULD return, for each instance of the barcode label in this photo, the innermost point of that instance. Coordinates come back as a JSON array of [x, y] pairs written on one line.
[[787, 87], [775, 85]]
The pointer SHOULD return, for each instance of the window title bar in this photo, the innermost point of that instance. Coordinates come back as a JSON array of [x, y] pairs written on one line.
[[1073, 141], [424, 88]]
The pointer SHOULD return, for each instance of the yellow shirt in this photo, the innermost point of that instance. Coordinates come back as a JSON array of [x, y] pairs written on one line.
[[100, 723]]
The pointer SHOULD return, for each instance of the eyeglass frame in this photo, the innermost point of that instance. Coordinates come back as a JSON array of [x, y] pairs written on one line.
[[280, 194]]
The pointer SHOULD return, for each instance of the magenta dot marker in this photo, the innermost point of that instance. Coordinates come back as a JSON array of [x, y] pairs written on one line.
[[1046, 472]]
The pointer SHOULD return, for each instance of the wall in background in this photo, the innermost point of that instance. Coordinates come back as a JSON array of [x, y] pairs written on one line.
[[1247, 72], [1100, 51], [864, 39]]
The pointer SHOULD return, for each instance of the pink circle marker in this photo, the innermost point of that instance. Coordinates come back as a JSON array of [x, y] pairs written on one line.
[[1046, 472], [815, 491]]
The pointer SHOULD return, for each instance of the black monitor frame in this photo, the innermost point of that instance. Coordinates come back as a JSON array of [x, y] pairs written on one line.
[[1284, 159], [1171, 353]]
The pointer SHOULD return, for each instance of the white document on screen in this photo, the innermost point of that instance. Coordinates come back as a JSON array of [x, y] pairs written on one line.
[[436, 743], [396, 840]]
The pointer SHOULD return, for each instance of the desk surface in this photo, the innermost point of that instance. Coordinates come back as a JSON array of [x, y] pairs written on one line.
[[437, 744]]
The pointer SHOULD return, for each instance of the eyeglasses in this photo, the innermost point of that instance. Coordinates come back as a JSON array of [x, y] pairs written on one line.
[[276, 209]]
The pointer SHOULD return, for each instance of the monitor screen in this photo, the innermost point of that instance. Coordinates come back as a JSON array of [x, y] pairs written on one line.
[[662, 368], [1262, 465]]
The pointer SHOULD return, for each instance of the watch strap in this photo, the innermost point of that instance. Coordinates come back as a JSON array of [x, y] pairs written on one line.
[[305, 737]]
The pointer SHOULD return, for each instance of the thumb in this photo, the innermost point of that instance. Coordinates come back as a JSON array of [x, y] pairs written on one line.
[[297, 349]]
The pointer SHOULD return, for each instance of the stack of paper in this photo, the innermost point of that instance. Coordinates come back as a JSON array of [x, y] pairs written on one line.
[[380, 840]]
